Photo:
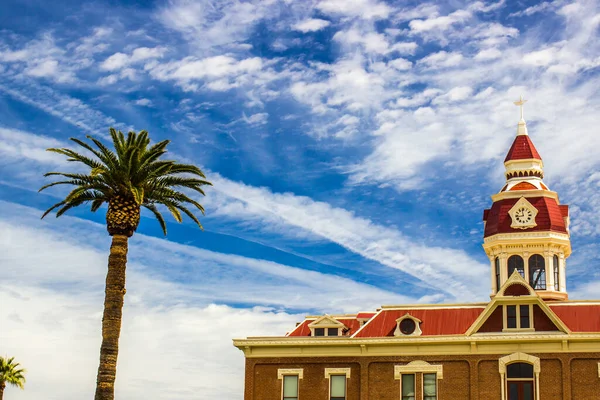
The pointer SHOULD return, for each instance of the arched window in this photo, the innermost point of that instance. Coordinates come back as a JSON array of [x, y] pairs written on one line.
[[497, 265], [516, 262], [556, 274], [537, 272], [520, 382]]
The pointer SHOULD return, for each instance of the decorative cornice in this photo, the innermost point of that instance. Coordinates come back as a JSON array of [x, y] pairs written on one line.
[[290, 371], [515, 194], [337, 371], [418, 366]]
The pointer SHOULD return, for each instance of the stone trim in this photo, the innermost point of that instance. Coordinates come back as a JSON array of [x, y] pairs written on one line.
[[515, 357], [337, 371], [281, 372], [418, 366], [417, 331]]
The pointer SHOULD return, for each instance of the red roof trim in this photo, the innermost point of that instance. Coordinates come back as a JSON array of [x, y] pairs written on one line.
[[522, 149]]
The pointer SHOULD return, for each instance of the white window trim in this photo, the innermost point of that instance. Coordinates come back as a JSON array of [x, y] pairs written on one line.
[[281, 372], [505, 327], [519, 357], [418, 366], [423, 367], [337, 371], [437, 386], [417, 332]]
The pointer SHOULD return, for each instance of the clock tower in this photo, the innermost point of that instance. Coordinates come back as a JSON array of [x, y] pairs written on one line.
[[526, 230]]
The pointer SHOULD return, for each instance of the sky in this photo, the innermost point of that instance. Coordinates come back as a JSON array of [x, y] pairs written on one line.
[[352, 144]]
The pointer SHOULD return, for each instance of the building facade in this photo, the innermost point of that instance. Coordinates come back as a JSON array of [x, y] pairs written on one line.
[[529, 342]]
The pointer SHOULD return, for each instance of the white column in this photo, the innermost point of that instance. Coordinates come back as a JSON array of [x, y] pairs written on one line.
[[503, 267], [493, 273], [562, 278], [537, 386], [549, 257], [503, 385]]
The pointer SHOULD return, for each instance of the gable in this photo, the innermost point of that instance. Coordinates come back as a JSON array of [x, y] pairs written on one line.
[[494, 323], [541, 321]]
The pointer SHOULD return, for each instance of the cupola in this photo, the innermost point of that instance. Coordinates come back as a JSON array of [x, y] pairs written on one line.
[[527, 229]]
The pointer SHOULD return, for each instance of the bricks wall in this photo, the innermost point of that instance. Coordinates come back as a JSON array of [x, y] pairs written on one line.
[[563, 377]]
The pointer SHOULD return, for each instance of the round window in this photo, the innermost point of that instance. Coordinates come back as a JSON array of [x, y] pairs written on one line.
[[407, 326]]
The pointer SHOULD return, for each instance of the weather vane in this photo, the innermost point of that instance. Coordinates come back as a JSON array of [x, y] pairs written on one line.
[[520, 103]]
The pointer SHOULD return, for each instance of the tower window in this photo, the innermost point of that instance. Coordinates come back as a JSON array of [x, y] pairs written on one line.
[[537, 272], [556, 274], [497, 265], [516, 262], [518, 317]]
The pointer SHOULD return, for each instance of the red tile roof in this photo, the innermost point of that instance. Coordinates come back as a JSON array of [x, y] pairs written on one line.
[[549, 217], [438, 321], [523, 186], [564, 209], [368, 315], [304, 330], [580, 317], [522, 149]]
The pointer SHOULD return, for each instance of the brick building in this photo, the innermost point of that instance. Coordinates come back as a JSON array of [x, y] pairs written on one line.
[[529, 342]]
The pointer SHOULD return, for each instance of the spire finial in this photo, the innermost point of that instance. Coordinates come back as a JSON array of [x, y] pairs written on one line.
[[522, 127], [520, 103]]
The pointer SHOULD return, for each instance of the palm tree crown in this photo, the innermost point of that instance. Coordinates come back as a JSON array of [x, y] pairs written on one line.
[[10, 373], [128, 178]]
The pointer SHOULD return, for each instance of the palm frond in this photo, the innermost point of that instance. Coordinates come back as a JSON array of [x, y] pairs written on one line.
[[133, 171]]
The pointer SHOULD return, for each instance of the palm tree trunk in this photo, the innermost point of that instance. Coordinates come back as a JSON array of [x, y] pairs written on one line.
[[111, 320], [2, 386]]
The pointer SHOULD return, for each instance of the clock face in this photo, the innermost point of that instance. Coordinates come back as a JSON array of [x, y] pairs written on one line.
[[524, 215]]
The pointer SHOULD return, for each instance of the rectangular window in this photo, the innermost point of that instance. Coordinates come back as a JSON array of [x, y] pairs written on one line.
[[524, 311], [511, 317], [338, 387], [429, 387], [332, 331], [497, 262], [290, 387], [408, 387], [319, 331]]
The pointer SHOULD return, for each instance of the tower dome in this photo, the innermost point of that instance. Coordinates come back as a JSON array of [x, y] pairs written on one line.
[[527, 229]]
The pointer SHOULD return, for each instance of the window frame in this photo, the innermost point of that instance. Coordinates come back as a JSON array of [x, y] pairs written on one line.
[[423, 385], [518, 327], [297, 387], [283, 372], [531, 379], [329, 372], [414, 376], [533, 268], [508, 266]]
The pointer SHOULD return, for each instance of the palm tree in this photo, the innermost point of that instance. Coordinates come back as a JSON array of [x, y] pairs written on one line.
[[10, 373], [128, 178]]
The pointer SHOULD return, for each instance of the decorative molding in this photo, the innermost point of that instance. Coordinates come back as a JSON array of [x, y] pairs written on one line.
[[516, 279], [599, 370], [416, 332], [530, 193], [290, 371], [526, 205], [337, 371], [518, 356], [418, 366], [326, 321]]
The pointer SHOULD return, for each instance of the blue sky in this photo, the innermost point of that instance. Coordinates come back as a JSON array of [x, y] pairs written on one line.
[[353, 146]]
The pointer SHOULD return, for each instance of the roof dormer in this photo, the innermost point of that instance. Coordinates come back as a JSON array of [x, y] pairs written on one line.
[[327, 326]]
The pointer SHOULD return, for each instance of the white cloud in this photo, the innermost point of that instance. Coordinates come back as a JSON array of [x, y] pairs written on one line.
[[455, 94], [366, 9], [440, 23], [120, 60], [144, 102], [401, 64], [256, 119], [311, 25], [442, 59], [541, 58], [488, 54]]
